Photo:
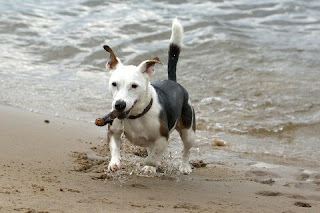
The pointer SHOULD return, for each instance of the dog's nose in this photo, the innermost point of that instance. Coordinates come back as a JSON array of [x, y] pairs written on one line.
[[120, 105]]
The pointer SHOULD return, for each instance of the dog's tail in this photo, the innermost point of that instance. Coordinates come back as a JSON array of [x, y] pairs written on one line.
[[174, 48]]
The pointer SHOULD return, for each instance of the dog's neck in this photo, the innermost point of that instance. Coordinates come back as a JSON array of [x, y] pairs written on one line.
[[143, 102], [143, 112]]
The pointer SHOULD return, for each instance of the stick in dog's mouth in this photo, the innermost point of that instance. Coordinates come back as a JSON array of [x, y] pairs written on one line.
[[108, 119]]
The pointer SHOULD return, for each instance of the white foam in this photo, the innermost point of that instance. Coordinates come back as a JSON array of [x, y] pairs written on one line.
[[265, 165]]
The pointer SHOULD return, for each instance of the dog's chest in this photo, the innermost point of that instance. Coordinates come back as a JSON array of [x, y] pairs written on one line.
[[141, 132]]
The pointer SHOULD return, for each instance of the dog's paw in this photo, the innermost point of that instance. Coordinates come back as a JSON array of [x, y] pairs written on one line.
[[185, 168], [149, 170], [114, 165]]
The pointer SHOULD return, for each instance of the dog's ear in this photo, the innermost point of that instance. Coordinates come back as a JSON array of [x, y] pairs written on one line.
[[113, 61], [148, 65]]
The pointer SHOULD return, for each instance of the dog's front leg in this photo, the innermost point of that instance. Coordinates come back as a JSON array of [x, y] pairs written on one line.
[[155, 153], [114, 139], [114, 146]]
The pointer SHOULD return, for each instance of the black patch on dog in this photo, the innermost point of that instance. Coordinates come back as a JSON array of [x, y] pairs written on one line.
[[194, 126], [174, 101], [173, 57], [186, 115]]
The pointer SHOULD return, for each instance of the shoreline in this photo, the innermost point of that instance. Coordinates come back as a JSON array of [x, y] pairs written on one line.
[[39, 174]]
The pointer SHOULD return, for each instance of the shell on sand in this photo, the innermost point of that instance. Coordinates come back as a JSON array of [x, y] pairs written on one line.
[[219, 142]]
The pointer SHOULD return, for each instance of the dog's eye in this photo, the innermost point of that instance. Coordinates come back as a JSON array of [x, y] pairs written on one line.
[[114, 84], [134, 86]]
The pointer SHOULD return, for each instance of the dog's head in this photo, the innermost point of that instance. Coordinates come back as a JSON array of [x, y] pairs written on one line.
[[128, 84]]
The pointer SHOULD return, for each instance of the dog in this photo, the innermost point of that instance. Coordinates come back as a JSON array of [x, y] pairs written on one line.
[[147, 112]]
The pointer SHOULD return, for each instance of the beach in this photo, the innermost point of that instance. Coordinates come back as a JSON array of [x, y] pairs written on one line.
[[39, 160], [251, 69]]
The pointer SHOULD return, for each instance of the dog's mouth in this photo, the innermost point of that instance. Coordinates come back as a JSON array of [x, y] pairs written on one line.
[[125, 114]]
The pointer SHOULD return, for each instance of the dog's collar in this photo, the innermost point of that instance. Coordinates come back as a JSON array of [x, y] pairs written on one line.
[[143, 112]]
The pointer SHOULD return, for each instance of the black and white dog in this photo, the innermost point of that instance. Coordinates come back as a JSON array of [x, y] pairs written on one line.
[[148, 112]]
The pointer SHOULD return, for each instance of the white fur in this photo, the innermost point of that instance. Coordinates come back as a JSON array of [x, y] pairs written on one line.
[[124, 77], [143, 131], [188, 138], [177, 33], [114, 145]]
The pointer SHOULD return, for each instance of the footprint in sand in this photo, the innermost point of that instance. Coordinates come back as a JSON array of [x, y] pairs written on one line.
[[263, 177], [138, 186], [269, 193], [302, 204]]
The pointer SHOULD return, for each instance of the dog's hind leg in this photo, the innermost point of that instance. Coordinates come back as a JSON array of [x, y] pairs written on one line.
[[188, 138], [187, 127]]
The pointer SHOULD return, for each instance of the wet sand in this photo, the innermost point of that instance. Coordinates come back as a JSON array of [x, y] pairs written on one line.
[[49, 164]]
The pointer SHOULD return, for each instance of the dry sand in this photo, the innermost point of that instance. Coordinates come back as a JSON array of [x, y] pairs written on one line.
[[57, 166]]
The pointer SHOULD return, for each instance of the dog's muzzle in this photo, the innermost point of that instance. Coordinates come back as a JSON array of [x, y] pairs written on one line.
[[120, 105]]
